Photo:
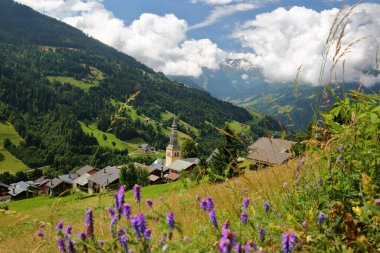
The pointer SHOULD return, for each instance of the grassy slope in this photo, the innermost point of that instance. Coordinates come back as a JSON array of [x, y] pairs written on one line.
[[10, 163], [25, 216], [131, 145]]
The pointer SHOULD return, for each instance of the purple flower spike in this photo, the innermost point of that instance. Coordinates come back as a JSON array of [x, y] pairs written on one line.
[[319, 182], [147, 234], [113, 221], [170, 220], [262, 233], [225, 245], [266, 206], [40, 234], [246, 203], [250, 247], [82, 236], [138, 225], [61, 244], [90, 223], [304, 224], [59, 226], [244, 217], [149, 202], [245, 191], [111, 212], [228, 234], [341, 148], [203, 204], [123, 242], [70, 246], [127, 211], [377, 202], [303, 160], [288, 240], [116, 201], [68, 230], [239, 248], [120, 196], [210, 203], [137, 192], [321, 218], [226, 225], [213, 219]]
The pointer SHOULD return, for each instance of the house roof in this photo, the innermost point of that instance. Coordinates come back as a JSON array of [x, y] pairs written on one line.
[[54, 183], [82, 180], [269, 150], [180, 165], [40, 181], [19, 187], [69, 178], [153, 178], [84, 170], [149, 169], [144, 146], [106, 176], [191, 160], [172, 176], [4, 185]]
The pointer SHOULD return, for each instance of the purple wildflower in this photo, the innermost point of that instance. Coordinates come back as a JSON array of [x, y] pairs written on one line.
[[213, 219], [198, 198], [137, 192], [225, 245], [40, 234], [120, 196], [377, 202], [288, 240], [210, 203], [266, 206], [246, 203], [203, 204], [149, 202], [170, 220], [303, 160], [244, 217], [228, 234], [262, 233], [42, 226], [59, 226], [245, 191], [304, 224], [69, 229], [101, 243], [321, 218], [130, 251], [319, 182], [338, 158], [113, 221], [157, 219], [123, 242], [186, 239], [341, 148], [250, 247], [82, 236], [226, 225], [116, 201], [61, 244], [89, 224], [111, 212], [162, 239], [127, 211], [120, 231], [70, 246], [147, 234], [138, 225], [239, 248]]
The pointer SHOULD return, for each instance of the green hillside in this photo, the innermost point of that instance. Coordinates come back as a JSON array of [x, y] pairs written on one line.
[[7, 161]]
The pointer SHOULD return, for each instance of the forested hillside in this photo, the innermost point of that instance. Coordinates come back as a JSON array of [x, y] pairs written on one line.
[[52, 77]]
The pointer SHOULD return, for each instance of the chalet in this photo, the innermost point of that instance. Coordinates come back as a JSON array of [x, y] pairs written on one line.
[[4, 195], [22, 190], [41, 184], [171, 176], [180, 166], [61, 184], [270, 151], [104, 179], [155, 173], [153, 179], [86, 169]]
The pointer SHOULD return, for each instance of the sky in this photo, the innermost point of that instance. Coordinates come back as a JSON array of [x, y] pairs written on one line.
[[277, 37]]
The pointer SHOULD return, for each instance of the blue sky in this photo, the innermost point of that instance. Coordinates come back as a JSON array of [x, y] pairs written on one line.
[[185, 37]]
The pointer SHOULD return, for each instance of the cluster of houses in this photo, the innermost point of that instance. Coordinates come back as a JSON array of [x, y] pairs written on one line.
[[266, 151]]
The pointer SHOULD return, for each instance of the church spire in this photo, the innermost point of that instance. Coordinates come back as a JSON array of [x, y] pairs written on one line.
[[173, 150], [174, 135]]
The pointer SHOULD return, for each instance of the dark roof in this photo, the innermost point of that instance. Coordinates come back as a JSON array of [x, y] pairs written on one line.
[[69, 178], [19, 187], [106, 176], [84, 170], [191, 160], [149, 169], [172, 176], [270, 151], [54, 183], [5, 185], [40, 181]]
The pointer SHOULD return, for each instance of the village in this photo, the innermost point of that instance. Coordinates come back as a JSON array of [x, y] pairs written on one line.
[[266, 151]]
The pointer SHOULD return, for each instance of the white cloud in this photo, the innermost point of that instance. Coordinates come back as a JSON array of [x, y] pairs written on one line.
[[244, 77], [158, 41], [283, 40], [216, 2], [220, 12]]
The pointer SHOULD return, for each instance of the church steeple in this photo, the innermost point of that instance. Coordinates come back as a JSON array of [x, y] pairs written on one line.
[[173, 150]]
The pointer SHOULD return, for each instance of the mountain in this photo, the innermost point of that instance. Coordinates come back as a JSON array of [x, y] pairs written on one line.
[[293, 105], [65, 92]]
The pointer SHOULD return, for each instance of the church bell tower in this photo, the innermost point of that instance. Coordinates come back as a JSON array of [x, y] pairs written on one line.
[[173, 150]]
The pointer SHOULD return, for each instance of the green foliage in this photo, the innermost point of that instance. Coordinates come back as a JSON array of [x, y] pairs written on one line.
[[189, 149], [130, 175]]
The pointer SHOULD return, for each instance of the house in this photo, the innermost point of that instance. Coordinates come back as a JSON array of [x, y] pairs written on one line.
[[86, 169], [41, 184], [104, 179], [153, 179], [171, 176], [4, 195], [270, 151], [152, 170], [22, 190], [180, 166], [81, 183], [61, 184], [145, 147]]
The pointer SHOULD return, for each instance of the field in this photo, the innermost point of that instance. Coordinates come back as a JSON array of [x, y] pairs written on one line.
[[131, 145], [7, 161], [23, 217]]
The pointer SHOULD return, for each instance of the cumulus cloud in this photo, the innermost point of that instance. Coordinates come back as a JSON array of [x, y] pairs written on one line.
[[216, 2], [158, 41], [283, 40]]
